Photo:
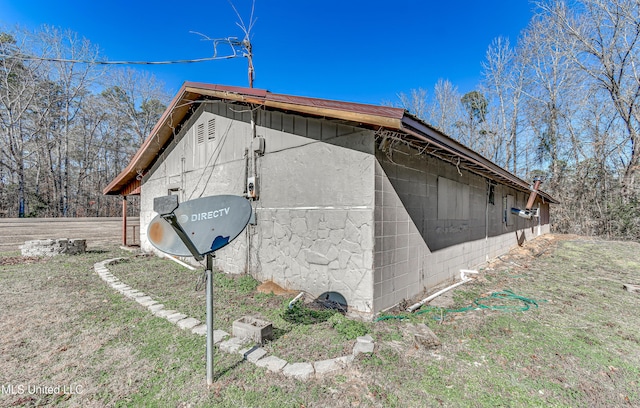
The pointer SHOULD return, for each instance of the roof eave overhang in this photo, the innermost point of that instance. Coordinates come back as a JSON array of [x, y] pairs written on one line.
[[160, 135]]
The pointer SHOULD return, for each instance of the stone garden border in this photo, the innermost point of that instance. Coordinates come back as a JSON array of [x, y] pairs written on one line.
[[250, 352]]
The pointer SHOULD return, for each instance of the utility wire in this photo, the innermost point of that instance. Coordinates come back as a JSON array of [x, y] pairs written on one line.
[[94, 62], [237, 49]]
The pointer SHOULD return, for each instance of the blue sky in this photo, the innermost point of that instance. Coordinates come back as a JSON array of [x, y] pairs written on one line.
[[352, 50]]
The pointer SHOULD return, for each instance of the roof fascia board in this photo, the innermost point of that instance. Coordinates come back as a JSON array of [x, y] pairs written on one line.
[[368, 119]]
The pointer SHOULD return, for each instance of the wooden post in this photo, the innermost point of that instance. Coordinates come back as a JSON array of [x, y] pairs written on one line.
[[124, 220], [534, 192]]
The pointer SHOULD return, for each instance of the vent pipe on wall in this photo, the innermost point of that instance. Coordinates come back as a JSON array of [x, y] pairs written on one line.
[[528, 212]]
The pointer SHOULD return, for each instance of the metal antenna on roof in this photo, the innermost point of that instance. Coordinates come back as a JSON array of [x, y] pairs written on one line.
[[246, 42]]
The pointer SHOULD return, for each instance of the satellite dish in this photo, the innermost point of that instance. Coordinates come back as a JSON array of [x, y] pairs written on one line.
[[210, 223]]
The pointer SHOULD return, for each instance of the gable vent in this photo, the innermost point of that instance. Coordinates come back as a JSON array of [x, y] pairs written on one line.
[[200, 133], [211, 129]]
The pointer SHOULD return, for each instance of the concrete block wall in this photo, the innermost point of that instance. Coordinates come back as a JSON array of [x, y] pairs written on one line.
[[400, 252], [192, 170], [314, 217], [404, 263]]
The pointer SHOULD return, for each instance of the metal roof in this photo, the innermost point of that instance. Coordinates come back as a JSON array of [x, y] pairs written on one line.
[[375, 117]]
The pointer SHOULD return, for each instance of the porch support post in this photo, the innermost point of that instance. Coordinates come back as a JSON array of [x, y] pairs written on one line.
[[124, 220]]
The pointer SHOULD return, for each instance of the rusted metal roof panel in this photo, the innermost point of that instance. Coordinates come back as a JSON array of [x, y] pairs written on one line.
[[374, 110], [260, 93]]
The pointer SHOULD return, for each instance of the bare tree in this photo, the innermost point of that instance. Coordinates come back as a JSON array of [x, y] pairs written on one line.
[[61, 138], [17, 93], [72, 81], [607, 35], [138, 97], [550, 89], [443, 110], [447, 109], [417, 102], [504, 75]]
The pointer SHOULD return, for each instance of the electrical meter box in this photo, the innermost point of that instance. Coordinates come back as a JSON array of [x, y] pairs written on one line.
[[252, 188]]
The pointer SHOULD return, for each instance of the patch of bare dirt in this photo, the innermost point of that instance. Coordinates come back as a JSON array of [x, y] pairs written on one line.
[[20, 260], [269, 287]]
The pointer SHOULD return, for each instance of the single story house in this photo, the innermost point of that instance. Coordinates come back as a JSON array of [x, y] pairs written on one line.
[[365, 203]]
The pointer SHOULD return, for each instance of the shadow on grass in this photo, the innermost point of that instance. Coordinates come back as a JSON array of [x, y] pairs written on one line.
[[217, 375], [96, 251], [278, 333]]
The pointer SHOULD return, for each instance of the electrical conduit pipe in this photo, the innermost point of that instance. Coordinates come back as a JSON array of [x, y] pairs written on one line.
[[176, 260], [295, 299], [463, 279]]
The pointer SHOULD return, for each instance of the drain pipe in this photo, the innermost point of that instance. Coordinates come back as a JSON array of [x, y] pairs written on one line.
[[463, 279], [295, 299], [176, 260]]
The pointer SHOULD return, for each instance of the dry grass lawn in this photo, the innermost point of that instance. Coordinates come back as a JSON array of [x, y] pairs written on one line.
[[60, 325]]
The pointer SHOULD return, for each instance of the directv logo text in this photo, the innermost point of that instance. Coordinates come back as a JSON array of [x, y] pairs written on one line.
[[210, 214]]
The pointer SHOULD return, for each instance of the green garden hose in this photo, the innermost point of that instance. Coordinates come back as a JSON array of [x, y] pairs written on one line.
[[479, 303]]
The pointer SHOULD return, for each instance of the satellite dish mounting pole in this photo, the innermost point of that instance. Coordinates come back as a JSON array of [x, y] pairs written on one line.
[[227, 215], [209, 275]]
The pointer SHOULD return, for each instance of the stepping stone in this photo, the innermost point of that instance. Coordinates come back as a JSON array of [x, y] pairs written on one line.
[[155, 308], [299, 371], [165, 313], [218, 335], [188, 323], [149, 303], [272, 363], [360, 348], [328, 366], [364, 344], [133, 294], [233, 345], [146, 301], [253, 354], [176, 317], [201, 330], [365, 339]]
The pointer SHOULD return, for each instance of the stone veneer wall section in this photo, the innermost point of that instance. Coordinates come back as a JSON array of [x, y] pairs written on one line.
[[320, 250]]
